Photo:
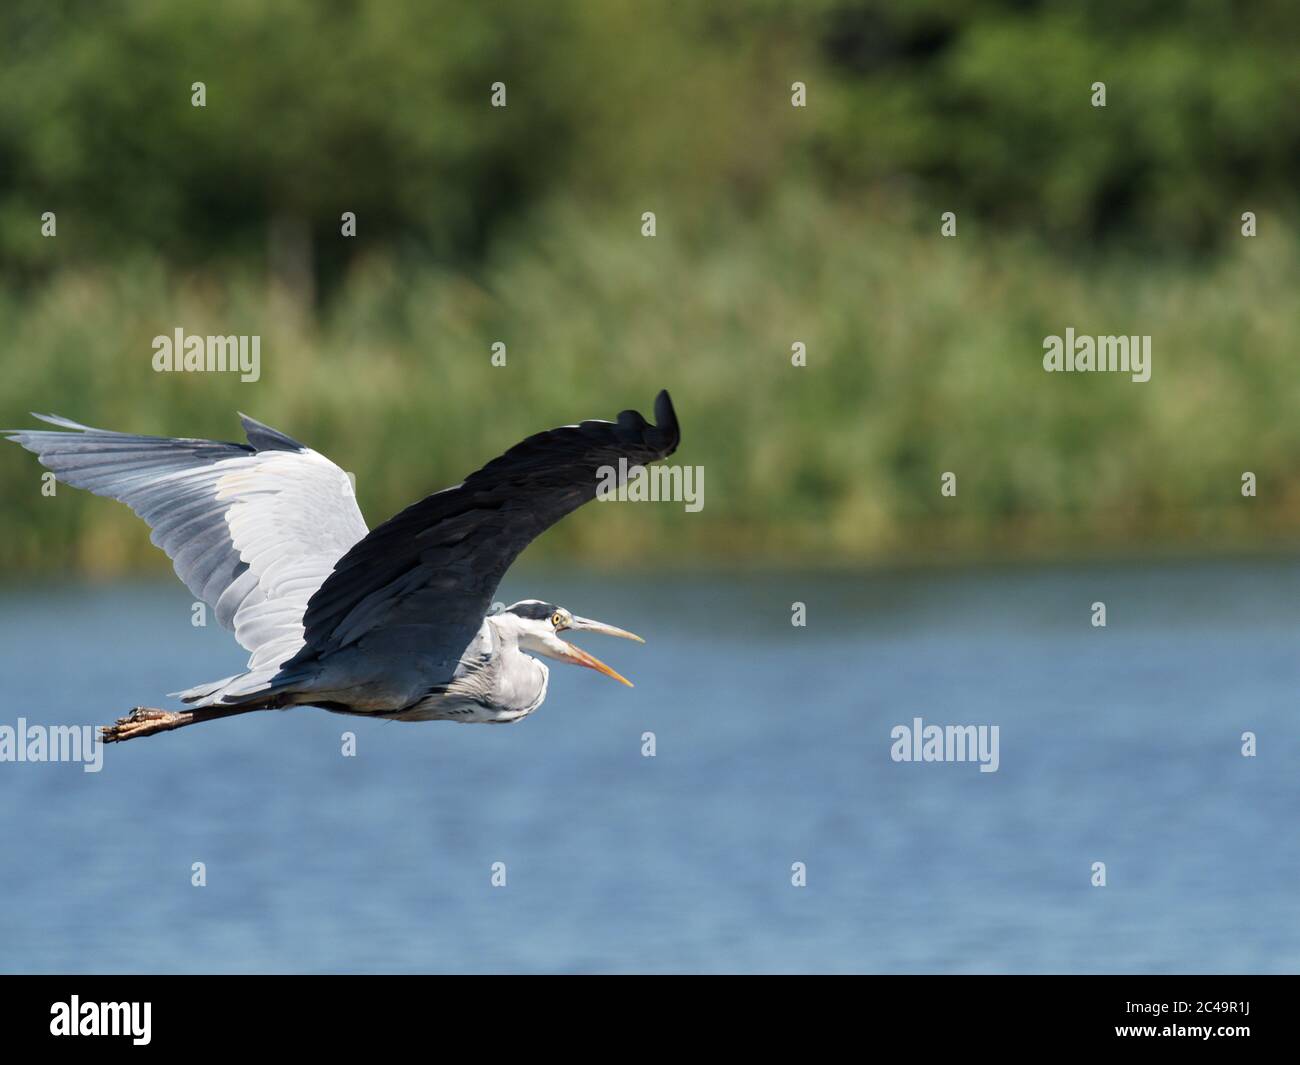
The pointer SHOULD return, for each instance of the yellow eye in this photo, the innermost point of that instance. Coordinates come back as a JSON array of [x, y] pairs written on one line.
[[557, 619]]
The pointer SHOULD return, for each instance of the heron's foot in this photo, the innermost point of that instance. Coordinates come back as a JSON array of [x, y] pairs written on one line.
[[143, 721]]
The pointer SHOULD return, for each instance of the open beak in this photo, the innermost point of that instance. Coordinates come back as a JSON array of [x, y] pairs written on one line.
[[579, 657]]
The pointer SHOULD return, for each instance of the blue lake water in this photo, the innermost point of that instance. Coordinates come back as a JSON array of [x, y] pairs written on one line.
[[1120, 745]]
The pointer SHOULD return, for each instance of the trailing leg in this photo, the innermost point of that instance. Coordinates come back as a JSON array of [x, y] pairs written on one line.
[[146, 721]]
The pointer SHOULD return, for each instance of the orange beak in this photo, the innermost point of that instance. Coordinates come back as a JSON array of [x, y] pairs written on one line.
[[579, 657]]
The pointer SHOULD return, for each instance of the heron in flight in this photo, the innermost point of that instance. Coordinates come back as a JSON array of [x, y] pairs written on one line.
[[393, 622]]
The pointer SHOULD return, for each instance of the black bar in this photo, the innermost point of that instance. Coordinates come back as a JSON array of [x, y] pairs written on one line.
[[333, 1013]]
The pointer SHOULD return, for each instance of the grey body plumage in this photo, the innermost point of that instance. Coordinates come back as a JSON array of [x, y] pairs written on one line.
[[391, 622]]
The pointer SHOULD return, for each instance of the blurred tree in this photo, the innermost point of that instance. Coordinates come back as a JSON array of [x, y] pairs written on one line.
[[988, 106], [316, 108], [312, 109]]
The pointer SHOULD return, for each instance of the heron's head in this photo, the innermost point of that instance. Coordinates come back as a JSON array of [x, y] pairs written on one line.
[[544, 629]]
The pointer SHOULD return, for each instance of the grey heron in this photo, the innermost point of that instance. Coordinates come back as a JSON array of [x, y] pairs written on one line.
[[392, 622]]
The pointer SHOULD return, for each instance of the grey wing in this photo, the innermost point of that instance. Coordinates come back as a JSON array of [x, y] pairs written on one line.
[[423, 580], [252, 529]]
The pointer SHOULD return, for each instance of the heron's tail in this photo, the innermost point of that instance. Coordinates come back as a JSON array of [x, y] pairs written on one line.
[[263, 686]]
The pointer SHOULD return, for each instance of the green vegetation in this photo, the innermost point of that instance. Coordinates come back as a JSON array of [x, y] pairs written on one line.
[[775, 225]]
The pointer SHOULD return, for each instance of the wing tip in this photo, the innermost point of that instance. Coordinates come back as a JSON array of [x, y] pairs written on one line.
[[666, 420], [62, 422], [263, 438], [17, 435]]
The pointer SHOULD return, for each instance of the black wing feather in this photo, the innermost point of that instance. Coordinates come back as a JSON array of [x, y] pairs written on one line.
[[437, 564]]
